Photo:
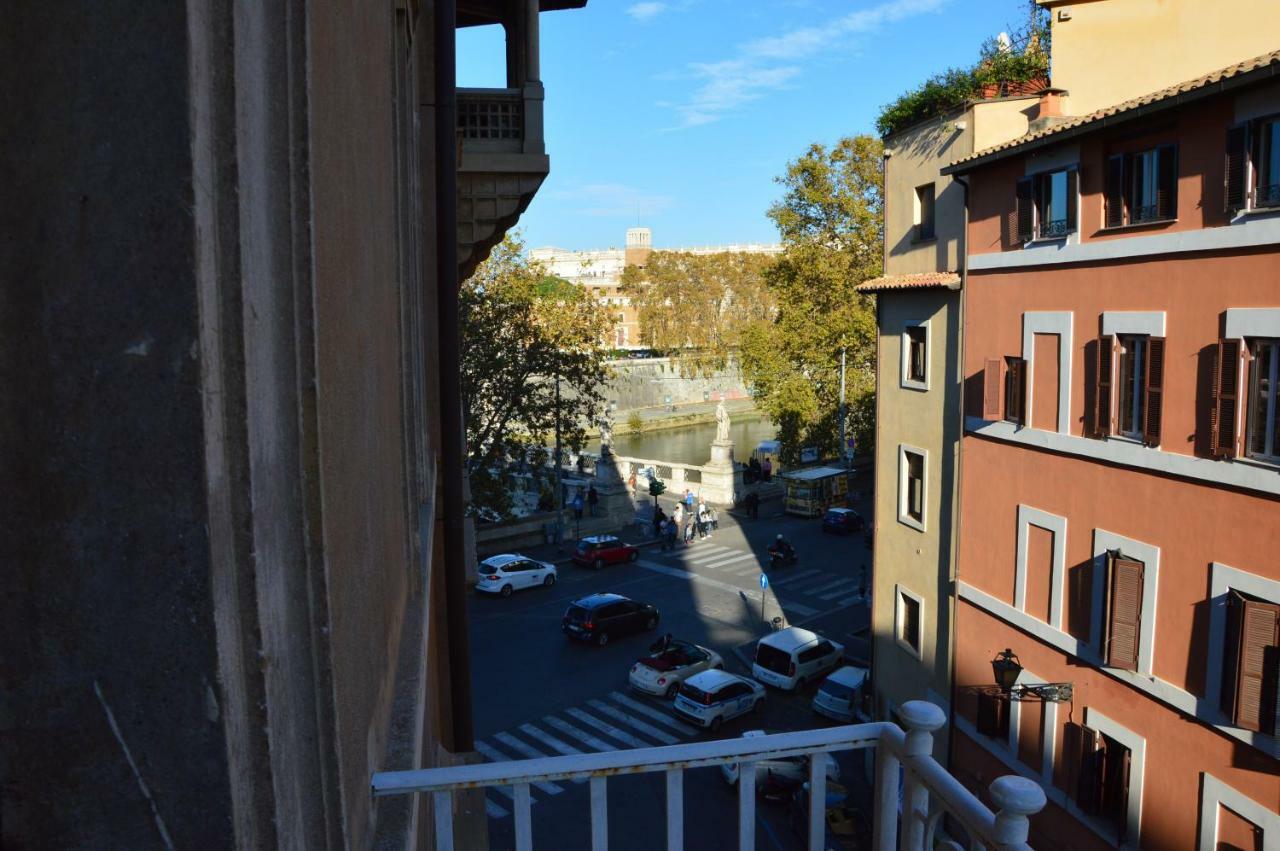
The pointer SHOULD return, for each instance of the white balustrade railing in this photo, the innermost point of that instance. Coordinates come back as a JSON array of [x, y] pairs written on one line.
[[906, 820]]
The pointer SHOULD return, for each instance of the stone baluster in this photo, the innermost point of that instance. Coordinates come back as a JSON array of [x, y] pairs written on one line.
[[920, 718], [1017, 798]]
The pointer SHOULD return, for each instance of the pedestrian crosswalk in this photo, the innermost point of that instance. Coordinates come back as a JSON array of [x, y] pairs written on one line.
[[613, 722], [838, 589]]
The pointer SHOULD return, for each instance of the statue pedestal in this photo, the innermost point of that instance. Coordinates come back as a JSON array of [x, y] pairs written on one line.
[[615, 499], [721, 479]]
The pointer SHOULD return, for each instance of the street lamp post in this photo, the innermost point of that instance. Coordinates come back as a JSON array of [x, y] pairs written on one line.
[[559, 471]]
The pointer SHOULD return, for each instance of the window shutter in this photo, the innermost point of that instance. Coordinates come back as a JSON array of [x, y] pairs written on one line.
[[1226, 392], [1116, 761], [1235, 188], [1167, 182], [1154, 390], [1015, 392], [1102, 391], [991, 389], [1115, 191], [1231, 653], [1026, 210], [1073, 196], [1124, 622], [1080, 745], [1255, 704], [992, 717]]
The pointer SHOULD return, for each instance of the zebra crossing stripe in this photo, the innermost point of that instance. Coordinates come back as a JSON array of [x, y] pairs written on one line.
[[494, 810], [532, 753], [496, 755], [550, 741], [582, 736], [656, 714], [793, 577], [842, 588], [797, 609], [729, 559], [648, 729], [743, 569], [814, 587], [709, 553], [844, 601], [621, 735]]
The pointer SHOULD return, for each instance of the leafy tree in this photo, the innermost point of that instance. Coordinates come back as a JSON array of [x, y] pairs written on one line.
[[831, 218], [521, 330], [697, 305]]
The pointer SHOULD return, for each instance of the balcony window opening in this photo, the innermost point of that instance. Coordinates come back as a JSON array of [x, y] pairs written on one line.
[[917, 353], [482, 55], [1046, 205], [1104, 767], [1142, 187], [924, 213], [1251, 663], [1132, 385], [1263, 421], [1052, 204], [1266, 193], [915, 487]]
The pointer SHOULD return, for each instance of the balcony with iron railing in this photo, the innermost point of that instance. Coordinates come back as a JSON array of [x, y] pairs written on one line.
[[917, 804]]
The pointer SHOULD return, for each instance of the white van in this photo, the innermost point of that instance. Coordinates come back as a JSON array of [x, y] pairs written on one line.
[[840, 695], [792, 657]]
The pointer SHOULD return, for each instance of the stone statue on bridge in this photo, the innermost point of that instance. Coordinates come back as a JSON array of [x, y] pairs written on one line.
[[722, 423], [606, 436]]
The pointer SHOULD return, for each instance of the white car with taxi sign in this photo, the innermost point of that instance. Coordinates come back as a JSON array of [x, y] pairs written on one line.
[[669, 663], [713, 697], [507, 573]]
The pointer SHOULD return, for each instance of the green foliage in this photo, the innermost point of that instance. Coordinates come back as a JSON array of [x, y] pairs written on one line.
[[1025, 60], [831, 222], [634, 422], [697, 305], [656, 488], [520, 331]]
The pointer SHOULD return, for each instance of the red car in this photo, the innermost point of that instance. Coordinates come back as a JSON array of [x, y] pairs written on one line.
[[599, 550]]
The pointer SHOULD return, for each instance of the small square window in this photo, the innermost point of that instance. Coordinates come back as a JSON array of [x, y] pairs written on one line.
[[911, 493], [909, 621], [915, 356], [924, 213]]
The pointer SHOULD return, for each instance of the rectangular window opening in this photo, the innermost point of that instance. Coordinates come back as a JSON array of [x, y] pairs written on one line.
[[1132, 379], [917, 353], [924, 212], [909, 621], [1262, 422], [915, 486]]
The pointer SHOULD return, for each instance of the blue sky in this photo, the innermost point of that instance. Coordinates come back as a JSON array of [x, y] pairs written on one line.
[[678, 114]]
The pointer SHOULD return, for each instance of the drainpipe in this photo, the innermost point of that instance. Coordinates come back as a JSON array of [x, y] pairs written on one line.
[[955, 495], [451, 430]]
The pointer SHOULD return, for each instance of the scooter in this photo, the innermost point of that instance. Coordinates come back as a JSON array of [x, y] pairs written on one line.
[[779, 558]]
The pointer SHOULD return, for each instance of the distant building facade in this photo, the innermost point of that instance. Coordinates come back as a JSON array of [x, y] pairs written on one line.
[[599, 270]]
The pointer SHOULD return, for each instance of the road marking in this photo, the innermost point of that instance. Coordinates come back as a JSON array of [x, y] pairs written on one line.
[[549, 740], [727, 560], [648, 729], [852, 598], [590, 740], [745, 570], [796, 608], [709, 554], [533, 753], [496, 755], [608, 729], [493, 809], [655, 714], [815, 584], [793, 577], [842, 588]]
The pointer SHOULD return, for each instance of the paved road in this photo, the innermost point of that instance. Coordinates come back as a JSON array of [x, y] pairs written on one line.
[[537, 693]]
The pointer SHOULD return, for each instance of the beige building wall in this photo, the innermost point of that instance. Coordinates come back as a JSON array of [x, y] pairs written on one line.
[[1108, 51]]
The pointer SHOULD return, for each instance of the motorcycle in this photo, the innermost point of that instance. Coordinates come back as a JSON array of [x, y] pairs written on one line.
[[781, 556]]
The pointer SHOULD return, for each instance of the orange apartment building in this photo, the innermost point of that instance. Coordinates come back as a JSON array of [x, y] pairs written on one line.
[[1120, 467]]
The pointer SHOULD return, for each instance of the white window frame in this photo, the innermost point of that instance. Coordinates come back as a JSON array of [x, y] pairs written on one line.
[[1028, 516], [1272, 457], [918, 214], [1137, 405], [905, 379], [1223, 579], [903, 516], [1137, 746], [899, 593], [1048, 737], [1149, 555], [1049, 322], [1215, 794], [1243, 324]]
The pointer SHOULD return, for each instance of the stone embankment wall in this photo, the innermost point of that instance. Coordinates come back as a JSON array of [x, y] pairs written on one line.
[[653, 382]]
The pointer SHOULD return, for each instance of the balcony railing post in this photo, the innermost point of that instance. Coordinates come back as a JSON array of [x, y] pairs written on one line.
[[885, 825], [442, 807], [921, 719], [1017, 798], [599, 815], [746, 806], [675, 809]]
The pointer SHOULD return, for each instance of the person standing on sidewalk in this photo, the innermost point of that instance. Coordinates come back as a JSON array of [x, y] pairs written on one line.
[[753, 505], [688, 501], [593, 500]]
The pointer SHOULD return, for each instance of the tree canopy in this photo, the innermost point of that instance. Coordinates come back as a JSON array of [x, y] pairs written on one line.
[[831, 219], [521, 330], [696, 305]]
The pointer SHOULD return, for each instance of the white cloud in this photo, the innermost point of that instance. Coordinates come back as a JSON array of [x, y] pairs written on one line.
[[612, 200], [646, 11], [773, 63]]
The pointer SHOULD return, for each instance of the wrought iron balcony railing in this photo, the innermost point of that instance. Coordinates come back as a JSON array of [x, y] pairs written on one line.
[[906, 817]]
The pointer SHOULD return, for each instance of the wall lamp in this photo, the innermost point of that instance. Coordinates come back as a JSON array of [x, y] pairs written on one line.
[[1007, 668]]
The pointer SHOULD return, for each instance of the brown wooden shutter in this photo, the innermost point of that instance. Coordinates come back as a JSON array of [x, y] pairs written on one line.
[[1226, 394], [1235, 188], [1114, 800], [1255, 703], [1080, 746], [1167, 182], [1115, 191], [1026, 210], [1102, 386], [1073, 197], [1015, 391], [1154, 388], [1124, 621], [991, 389], [993, 718], [1231, 653]]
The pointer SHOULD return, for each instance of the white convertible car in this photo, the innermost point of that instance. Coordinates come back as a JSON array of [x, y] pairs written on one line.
[[669, 663]]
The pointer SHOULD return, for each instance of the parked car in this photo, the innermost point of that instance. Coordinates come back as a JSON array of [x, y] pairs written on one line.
[[600, 618], [668, 664], [840, 695], [792, 657], [598, 550], [842, 521], [506, 573], [713, 697], [778, 777]]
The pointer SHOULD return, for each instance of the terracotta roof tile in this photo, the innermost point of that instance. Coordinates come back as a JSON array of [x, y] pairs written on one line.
[[1240, 68], [918, 281]]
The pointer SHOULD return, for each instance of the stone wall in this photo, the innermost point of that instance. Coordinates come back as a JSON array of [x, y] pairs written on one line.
[[652, 382]]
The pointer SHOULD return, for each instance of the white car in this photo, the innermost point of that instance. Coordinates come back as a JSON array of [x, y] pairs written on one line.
[[840, 695], [713, 697], [506, 573], [668, 664], [791, 658], [778, 777]]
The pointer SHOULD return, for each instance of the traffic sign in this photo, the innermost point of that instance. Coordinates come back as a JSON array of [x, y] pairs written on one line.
[[764, 581]]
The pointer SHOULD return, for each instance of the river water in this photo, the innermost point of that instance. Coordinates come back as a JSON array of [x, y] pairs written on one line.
[[691, 444]]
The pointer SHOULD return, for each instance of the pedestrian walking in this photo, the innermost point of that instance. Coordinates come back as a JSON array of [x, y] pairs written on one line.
[[766, 469], [702, 519], [662, 536], [688, 532], [688, 501], [658, 519], [753, 505], [714, 517], [593, 500], [670, 539], [577, 504]]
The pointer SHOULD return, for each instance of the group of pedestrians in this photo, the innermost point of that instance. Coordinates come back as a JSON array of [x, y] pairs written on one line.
[[757, 472], [686, 521]]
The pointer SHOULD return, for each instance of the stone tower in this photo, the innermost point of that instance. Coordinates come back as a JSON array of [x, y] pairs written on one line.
[[639, 244]]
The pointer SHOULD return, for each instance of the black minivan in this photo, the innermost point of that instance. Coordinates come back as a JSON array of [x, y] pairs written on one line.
[[600, 617]]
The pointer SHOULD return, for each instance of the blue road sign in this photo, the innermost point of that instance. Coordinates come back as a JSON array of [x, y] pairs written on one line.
[[764, 581]]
